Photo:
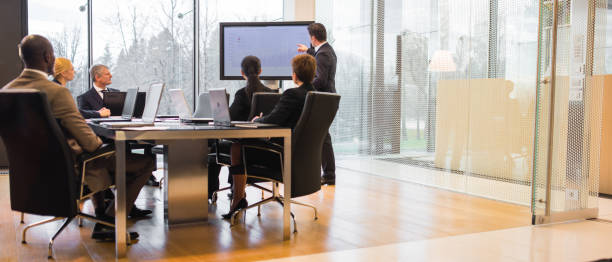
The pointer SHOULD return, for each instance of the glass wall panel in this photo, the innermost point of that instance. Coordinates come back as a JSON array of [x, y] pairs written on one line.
[[64, 23], [349, 26], [438, 92], [214, 12], [146, 41]]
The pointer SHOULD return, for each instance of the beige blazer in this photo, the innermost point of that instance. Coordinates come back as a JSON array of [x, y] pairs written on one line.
[[62, 107]]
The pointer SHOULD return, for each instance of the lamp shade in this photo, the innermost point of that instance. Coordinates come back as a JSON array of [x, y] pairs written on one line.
[[442, 61]]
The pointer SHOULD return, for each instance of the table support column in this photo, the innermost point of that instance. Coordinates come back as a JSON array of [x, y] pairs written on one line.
[[187, 186]]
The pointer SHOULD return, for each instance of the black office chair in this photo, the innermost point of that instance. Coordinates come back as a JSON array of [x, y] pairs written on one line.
[[261, 102], [42, 172], [307, 140]]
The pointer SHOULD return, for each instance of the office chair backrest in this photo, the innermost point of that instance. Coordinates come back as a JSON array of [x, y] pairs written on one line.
[[317, 116], [263, 102], [41, 168]]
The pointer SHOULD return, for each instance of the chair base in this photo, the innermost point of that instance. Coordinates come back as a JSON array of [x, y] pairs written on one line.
[[280, 200], [68, 220]]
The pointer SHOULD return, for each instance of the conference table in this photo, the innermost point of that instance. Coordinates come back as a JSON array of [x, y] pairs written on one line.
[[185, 169]]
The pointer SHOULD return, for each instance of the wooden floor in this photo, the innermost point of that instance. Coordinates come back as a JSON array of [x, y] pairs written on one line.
[[360, 211]]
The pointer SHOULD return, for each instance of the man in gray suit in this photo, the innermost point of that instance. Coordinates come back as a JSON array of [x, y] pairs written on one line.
[[324, 81], [37, 55]]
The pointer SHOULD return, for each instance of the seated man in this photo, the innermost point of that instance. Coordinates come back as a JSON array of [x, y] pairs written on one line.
[[91, 103], [37, 55]]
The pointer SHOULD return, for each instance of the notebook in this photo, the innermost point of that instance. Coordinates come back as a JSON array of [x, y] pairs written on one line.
[[148, 116], [182, 108], [220, 110], [128, 108]]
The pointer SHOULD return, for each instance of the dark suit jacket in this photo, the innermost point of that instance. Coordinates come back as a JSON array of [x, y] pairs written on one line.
[[289, 108], [324, 80], [62, 107], [241, 107], [90, 102]]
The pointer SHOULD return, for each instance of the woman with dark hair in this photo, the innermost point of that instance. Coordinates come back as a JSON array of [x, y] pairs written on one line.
[[286, 114], [241, 107], [239, 111]]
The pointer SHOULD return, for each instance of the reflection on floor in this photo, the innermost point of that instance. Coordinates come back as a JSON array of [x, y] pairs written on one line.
[[502, 190], [361, 211], [576, 241], [571, 241]]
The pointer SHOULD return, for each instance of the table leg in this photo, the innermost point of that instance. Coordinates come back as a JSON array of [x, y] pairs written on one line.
[[120, 205], [287, 188], [186, 172]]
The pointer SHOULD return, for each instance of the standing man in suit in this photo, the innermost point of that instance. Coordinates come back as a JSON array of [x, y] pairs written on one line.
[[324, 81], [90, 102], [36, 52]]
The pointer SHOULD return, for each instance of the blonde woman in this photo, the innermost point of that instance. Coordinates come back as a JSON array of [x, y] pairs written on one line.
[[63, 72]]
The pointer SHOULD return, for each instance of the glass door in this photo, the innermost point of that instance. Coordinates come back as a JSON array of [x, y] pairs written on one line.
[[568, 111]]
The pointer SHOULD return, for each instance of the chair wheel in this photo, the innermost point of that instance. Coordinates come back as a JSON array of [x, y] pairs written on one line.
[[23, 242], [316, 218], [49, 257]]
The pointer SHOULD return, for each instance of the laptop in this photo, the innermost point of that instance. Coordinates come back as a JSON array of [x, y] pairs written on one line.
[[128, 108], [220, 110], [114, 101], [148, 116], [182, 108]]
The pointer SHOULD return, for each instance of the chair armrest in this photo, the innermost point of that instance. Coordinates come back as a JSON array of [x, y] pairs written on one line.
[[103, 150]]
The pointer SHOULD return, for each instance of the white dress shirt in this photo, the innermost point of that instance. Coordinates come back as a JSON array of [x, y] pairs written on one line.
[[319, 46], [99, 90]]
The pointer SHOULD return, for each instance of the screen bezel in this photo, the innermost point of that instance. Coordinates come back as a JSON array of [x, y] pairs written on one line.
[[222, 26]]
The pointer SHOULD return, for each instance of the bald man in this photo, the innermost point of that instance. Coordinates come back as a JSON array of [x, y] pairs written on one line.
[[36, 52]]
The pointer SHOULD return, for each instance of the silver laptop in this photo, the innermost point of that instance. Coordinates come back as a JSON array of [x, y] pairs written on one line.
[[220, 110], [182, 108], [128, 108], [150, 110]]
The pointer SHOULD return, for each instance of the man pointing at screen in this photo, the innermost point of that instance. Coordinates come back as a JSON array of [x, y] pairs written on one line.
[[324, 81]]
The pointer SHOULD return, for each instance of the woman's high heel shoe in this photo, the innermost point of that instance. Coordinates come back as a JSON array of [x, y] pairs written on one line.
[[241, 204]]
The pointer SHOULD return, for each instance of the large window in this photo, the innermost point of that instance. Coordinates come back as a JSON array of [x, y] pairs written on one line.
[[65, 25], [144, 42]]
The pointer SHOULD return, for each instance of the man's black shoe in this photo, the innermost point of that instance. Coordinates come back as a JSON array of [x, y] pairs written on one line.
[[105, 218], [152, 181], [328, 180], [138, 213], [102, 232]]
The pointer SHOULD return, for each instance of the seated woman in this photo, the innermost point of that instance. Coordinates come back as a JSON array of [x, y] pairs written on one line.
[[239, 111], [286, 113]]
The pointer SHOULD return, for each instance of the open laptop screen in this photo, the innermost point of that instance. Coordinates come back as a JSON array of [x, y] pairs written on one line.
[[180, 103], [152, 103], [114, 102], [219, 107], [130, 103]]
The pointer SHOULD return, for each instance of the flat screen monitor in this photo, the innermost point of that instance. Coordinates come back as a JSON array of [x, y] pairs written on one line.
[[274, 43]]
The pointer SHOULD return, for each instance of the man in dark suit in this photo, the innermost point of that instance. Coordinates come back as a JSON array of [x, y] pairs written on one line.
[[324, 81], [90, 102]]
